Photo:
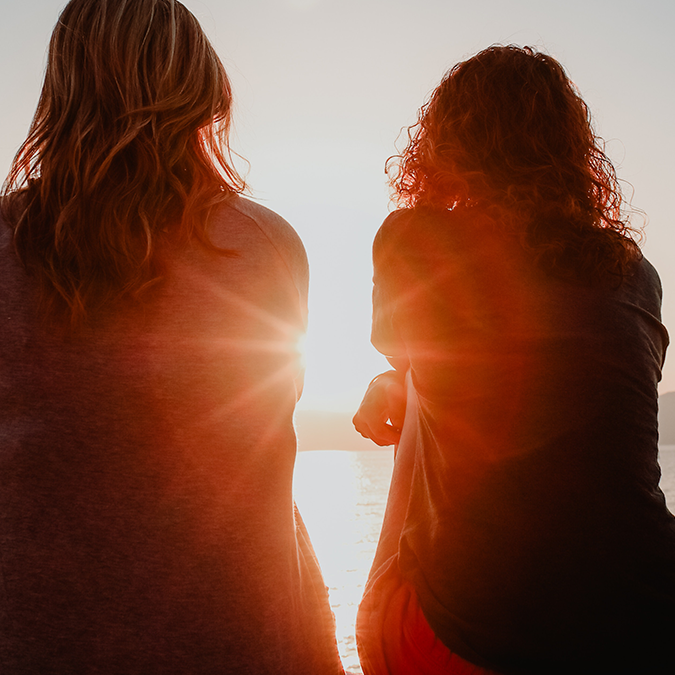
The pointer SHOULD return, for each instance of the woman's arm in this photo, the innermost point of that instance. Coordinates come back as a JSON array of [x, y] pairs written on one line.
[[382, 411]]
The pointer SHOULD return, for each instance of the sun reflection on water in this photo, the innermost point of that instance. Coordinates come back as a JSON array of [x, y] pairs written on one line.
[[341, 496]]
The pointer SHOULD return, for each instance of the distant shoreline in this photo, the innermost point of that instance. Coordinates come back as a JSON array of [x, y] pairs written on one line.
[[667, 418], [323, 430]]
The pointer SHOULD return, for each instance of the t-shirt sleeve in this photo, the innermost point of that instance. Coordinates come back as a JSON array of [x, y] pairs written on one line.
[[287, 244], [385, 336]]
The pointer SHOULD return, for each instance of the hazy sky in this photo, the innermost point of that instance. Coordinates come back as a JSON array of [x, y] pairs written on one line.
[[323, 88]]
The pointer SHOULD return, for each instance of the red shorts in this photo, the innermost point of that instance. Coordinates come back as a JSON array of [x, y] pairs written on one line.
[[393, 636]]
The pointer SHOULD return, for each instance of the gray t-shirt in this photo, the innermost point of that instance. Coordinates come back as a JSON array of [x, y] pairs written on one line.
[[147, 522]]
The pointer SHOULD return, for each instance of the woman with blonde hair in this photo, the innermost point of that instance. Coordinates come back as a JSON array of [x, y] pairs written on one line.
[[149, 373], [525, 531]]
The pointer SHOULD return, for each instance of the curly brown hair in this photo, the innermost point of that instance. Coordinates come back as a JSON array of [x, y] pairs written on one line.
[[128, 143], [507, 131]]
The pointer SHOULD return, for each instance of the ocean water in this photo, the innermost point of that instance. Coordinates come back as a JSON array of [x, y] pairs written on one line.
[[341, 496]]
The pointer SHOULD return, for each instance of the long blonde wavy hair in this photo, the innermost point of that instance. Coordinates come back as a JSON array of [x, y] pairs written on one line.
[[129, 144]]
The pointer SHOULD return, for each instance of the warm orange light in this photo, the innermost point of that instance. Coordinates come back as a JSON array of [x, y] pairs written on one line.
[[341, 497]]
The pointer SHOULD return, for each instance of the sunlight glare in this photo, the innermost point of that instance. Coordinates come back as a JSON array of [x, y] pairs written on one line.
[[341, 497]]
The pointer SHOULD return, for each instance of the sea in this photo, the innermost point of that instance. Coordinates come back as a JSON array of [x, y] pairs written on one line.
[[341, 495]]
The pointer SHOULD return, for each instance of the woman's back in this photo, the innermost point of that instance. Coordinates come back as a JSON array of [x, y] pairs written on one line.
[[150, 319], [524, 516], [534, 533], [146, 465]]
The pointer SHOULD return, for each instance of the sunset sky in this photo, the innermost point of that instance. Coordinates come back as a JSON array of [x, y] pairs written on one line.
[[324, 87]]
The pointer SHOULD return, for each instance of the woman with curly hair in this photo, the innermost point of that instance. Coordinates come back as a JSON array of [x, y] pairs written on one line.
[[525, 532], [148, 375]]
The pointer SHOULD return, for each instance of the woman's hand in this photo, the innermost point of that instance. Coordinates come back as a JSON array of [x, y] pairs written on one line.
[[382, 411]]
